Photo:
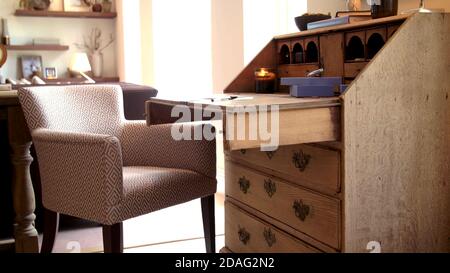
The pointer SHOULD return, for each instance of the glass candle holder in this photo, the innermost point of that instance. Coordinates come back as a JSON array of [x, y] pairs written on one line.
[[383, 8], [265, 80]]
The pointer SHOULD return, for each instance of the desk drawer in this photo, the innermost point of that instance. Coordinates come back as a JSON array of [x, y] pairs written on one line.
[[313, 214], [306, 165], [248, 234], [352, 70], [288, 126]]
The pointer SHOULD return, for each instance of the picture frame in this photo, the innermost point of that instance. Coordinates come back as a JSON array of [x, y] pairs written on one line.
[[31, 66], [77, 5], [50, 73]]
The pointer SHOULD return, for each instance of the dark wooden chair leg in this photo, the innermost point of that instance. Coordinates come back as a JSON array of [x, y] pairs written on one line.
[[209, 227], [51, 224], [113, 238]]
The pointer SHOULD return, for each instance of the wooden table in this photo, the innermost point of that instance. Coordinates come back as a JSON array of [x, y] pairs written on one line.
[[25, 234]]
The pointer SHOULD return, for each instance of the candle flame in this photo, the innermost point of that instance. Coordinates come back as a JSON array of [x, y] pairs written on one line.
[[263, 73]]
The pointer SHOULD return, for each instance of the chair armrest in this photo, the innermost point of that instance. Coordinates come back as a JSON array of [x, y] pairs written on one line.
[[81, 174], [154, 145]]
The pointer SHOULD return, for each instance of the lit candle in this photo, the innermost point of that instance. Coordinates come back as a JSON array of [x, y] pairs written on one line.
[[265, 80]]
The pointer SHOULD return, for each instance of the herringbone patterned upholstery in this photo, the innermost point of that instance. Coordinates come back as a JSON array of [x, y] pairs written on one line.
[[97, 166]]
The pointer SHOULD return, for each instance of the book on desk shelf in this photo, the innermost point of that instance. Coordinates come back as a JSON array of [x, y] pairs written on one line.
[[354, 13], [339, 21]]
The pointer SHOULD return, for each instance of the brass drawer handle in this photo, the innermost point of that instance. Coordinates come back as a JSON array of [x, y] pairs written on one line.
[[244, 184], [301, 160], [301, 210], [244, 236], [270, 154], [270, 187], [270, 237], [243, 151]]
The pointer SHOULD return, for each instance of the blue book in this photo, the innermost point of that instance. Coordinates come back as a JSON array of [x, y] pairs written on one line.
[[313, 86], [338, 21]]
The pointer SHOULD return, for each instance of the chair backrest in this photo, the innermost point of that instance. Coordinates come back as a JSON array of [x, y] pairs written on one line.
[[94, 109]]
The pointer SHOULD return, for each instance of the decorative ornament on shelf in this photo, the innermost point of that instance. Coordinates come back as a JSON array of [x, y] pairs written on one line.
[[36, 4], [97, 8], [5, 38], [93, 44], [353, 5], [106, 6]]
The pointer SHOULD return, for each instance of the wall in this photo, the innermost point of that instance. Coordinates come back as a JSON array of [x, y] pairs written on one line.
[[147, 43], [227, 42], [69, 30], [405, 5], [325, 6], [129, 46]]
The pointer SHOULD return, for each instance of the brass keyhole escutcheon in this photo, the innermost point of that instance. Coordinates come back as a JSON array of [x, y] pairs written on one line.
[[270, 154], [301, 160], [270, 237], [301, 210], [270, 187], [244, 236], [244, 184]]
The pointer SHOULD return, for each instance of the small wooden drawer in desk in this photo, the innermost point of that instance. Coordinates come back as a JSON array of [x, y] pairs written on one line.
[[352, 70], [296, 70], [310, 166], [306, 211], [248, 234]]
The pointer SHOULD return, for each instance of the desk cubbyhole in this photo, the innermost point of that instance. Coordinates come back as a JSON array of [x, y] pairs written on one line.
[[297, 54], [312, 53], [284, 55], [374, 44], [354, 51]]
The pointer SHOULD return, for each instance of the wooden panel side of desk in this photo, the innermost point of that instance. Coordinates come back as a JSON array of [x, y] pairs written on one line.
[[396, 144]]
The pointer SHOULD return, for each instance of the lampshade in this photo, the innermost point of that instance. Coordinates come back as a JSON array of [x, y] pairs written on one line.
[[80, 63]]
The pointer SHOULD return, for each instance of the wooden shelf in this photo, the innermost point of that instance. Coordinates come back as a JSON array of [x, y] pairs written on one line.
[[81, 80], [38, 47], [65, 14]]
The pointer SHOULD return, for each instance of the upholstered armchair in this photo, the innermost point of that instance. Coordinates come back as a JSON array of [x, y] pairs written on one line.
[[97, 166]]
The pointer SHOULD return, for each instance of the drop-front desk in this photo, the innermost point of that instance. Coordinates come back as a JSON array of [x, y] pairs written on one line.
[[366, 170]]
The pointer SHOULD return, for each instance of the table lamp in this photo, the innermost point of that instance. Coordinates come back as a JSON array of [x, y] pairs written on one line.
[[80, 63]]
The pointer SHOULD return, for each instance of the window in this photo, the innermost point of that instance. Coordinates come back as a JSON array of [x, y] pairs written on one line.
[[182, 47]]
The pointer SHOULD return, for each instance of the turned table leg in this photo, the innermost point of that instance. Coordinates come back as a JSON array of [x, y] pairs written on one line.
[[25, 233]]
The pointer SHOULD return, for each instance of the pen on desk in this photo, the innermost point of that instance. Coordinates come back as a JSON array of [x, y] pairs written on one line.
[[224, 99]]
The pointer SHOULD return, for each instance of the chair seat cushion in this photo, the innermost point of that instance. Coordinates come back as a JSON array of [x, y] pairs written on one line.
[[147, 189]]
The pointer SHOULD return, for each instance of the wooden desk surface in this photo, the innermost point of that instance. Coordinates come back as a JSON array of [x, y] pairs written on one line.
[[8, 98], [231, 101]]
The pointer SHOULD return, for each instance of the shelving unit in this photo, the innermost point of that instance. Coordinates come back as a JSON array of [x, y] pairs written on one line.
[[81, 80], [65, 14], [38, 47]]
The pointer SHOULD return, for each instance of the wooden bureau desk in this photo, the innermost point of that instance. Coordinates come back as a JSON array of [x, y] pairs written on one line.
[[365, 171]]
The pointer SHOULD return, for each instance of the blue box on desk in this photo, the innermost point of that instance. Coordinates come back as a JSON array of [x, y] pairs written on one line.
[[313, 86]]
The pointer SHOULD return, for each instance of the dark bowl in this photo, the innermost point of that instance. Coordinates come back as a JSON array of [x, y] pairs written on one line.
[[302, 21]]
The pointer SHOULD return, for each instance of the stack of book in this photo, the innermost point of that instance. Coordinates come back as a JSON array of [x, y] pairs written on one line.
[[342, 17]]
